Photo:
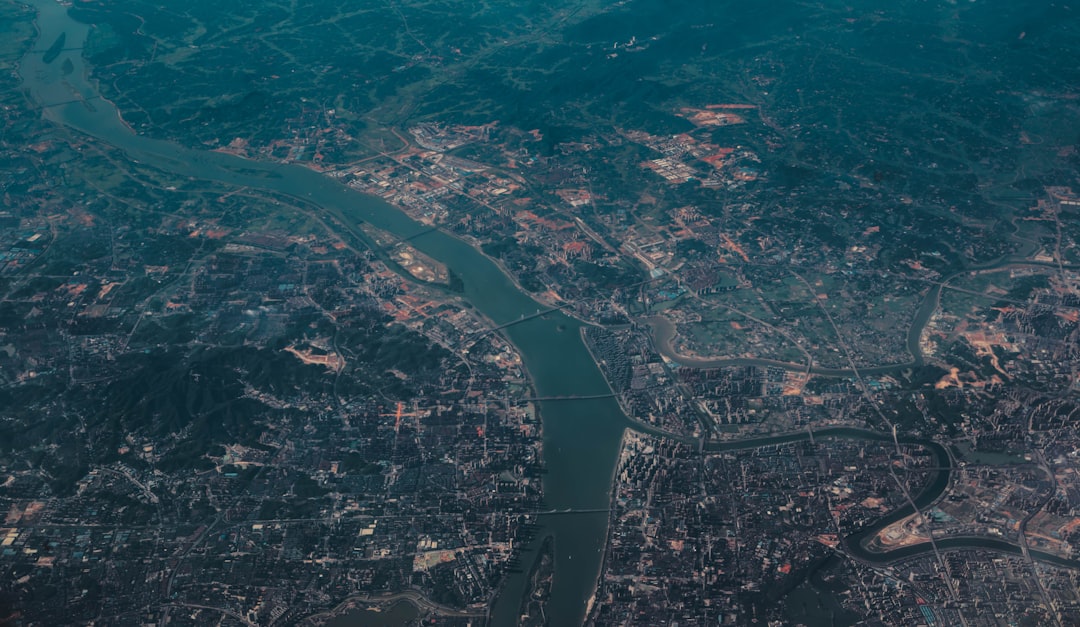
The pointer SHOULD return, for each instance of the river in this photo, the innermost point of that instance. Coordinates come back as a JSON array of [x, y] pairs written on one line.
[[581, 438], [855, 543]]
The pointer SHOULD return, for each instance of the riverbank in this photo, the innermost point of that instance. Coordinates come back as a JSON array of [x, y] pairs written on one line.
[[580, 439], [363, 603]]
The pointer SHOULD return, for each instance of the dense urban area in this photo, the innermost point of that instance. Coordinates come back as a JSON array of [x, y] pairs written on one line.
[[835, 316]]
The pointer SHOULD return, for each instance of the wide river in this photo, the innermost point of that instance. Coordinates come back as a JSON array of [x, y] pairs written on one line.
[[581, 438]]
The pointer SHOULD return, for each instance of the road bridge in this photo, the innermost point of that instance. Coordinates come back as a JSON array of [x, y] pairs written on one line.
[[523, 318]]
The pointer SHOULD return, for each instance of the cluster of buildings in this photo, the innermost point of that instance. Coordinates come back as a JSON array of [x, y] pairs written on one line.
[[716, 538], [249, 419]]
